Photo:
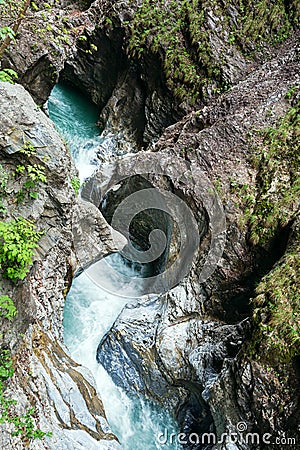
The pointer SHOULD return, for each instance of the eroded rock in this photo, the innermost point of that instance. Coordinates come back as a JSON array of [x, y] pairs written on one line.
[[62, 392]]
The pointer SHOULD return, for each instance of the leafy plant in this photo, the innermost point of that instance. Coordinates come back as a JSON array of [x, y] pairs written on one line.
[[18, 239], [25, 424], [34, 172], [276, 205], [6, 367], [75, 182], [7, 307], [8, 75], [179, 32], [28, 149], [276, 309], [278, 179]]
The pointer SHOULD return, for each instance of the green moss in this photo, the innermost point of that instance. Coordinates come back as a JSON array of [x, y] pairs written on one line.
[[276, 304], [23, 426], [18, 240], [276, 314], [75, 182], [175, 29], [181, 31], [278, 180]]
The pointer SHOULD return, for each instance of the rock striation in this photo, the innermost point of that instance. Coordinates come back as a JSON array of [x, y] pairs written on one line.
[[187, 349], [62, 392]]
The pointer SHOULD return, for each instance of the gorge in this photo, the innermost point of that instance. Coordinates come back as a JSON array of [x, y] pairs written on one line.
[[90, 311], [206, 90]]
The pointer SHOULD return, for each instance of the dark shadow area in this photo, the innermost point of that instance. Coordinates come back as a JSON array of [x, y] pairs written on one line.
[[236, 307]]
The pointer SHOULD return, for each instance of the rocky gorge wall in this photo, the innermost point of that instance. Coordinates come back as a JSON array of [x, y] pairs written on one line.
[[62, 393], [189, 348]]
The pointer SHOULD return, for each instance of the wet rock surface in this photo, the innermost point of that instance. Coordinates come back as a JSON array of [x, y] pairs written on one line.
[[186, 341], [62, 392], [186, 348]]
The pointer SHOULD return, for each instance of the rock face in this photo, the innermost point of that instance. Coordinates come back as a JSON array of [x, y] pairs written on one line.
[[62, 392], [185, 349], [46, 38]]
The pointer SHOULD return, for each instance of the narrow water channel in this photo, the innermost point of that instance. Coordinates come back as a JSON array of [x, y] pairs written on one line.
[[90, 311]]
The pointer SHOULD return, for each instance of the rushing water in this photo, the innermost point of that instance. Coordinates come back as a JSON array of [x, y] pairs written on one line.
[[90, 310]]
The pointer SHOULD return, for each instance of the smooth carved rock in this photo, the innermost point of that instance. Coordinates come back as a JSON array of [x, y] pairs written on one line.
[[191, 340], [63, 393]]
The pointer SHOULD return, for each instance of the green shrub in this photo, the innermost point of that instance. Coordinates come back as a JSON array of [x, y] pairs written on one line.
[[18, 239], [6, 367], [276, 206], [7, 307], [75, 182]]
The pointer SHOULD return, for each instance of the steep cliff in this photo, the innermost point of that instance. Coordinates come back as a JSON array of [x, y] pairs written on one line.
[[45, 378], [194, 349], [216, 83]]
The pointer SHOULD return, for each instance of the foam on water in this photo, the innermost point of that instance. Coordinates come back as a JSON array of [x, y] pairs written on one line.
[[75, 118], [90, 310]]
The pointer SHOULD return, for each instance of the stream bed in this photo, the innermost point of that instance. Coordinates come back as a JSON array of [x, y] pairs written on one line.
[[90, 310]]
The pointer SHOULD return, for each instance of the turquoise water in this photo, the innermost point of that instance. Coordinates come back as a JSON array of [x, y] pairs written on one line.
[[75, 118], [89, 313], [90, 310]]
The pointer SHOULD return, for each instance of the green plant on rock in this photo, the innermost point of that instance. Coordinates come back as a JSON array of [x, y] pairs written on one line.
[[278, 179], [8, 75], [28, 149], [24, 425], [75, 182], [7, 307], [3, 186], [180, 33], [276, 309], [18, 240], [3, 180], [262, 21], [6, 366], [34, 172]]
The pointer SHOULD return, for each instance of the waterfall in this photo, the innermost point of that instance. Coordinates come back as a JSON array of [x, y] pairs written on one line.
[[90, 310]]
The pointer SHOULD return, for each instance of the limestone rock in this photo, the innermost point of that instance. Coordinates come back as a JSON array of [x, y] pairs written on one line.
[[62, 392]]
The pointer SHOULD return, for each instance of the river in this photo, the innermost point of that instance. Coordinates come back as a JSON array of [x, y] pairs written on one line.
[[90, 310]]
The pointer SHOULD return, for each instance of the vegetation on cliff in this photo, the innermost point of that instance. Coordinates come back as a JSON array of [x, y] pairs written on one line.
[[192, 40], [185, 34], [276, 305], [19, 425], [18, 240]]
